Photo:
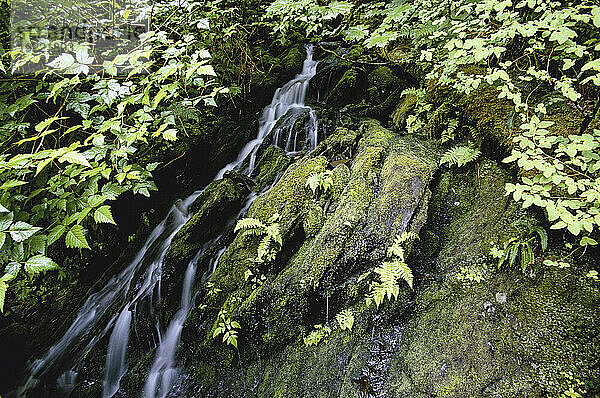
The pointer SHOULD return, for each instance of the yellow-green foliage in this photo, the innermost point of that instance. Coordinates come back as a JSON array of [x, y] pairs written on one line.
[[271, 240], [391, 271]]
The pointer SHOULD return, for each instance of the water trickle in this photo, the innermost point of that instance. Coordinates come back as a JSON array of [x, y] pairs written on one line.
[[116, 357], [114, 307], [163, 373], [290, 96]]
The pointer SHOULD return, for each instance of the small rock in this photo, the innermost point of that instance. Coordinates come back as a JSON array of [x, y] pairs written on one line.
[[501, 298]]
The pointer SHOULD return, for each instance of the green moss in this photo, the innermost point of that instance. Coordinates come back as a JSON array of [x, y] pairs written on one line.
[[488, 112], [348, 89], [403, 109], [314, 221], [293, 60], [383, 78], [272, 162]]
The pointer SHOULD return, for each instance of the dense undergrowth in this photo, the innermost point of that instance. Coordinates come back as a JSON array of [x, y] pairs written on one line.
[[77, 134]]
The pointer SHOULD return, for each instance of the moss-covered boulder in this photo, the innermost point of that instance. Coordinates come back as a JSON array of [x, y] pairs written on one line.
[[349, 89], [215, 205], [507, 335], [383, 192], [270, 164]]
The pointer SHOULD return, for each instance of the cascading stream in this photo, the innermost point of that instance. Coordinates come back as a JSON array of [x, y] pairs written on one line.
[[290, 96], [113, 308]]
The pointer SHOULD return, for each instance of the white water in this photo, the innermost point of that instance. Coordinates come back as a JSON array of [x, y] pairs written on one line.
[[163, 372], [291, 95], [114, 306]]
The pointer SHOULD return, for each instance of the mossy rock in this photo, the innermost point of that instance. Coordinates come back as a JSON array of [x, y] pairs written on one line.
[[272, 162], [349, 89], [403, 109], [293, 60], [379, 196], [314, 221], [218, 202]]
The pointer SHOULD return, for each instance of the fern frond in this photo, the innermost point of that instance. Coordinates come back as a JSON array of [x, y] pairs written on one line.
[[411, 91], [263, 249], [248, 223], [253, 232], [460, 155], [274, 233], [404, 272], [423, 30]]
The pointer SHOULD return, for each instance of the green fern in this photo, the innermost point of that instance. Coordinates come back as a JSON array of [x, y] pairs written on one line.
[[345, 319], [317, 335], [460, 156], [249, 224], [271, 241], [322, 182], [449, 132], [390, 272]]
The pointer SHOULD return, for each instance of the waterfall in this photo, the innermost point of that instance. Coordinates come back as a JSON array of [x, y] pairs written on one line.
[[290, 96], [113, 308], [163, 373]]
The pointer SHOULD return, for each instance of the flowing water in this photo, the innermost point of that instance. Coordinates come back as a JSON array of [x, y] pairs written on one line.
[[290, 96], [114, 308]]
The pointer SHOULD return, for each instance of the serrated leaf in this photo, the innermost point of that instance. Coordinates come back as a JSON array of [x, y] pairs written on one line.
[[12, 269], [170, 134], [104, 215], [37, 244], [75, 238], [39, 263], [5, 221], [75, 158], [96, 200], [3, 289], [56, 233], [21, 231]]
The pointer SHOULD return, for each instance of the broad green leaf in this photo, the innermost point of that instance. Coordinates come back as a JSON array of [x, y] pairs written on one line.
[[206, 70], [12, 184], [75, 238], [596, 15], [56, 233], [358, 32], [96, 200], [112, 190], [39, 263], [5, 221], [4, 209], [37, 244], [75, 158], [170, 134], [12, 269], [21, 231], [17, 253], [2, 239], [104, 215]]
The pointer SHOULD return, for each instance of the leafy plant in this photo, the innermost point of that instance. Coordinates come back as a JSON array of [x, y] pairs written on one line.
[[228, 328], [470, 275], [317, 335], [271, 241], [345, 319], [460, 156], [391, 271], [320, 182], [73, 129], [305, 15], [521, 246]]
